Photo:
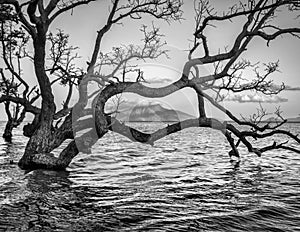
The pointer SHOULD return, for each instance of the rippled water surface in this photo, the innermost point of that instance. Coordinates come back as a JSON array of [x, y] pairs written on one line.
[[185, 182]]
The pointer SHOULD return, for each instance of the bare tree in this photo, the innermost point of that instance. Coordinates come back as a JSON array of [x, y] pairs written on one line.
[[17, 95], [47, 134], [14, 41]]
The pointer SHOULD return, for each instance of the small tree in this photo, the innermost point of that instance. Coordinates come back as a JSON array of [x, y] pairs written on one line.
[[46, 134], [13, 87]]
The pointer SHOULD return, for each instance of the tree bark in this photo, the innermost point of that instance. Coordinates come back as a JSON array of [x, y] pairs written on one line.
[[39, 144]]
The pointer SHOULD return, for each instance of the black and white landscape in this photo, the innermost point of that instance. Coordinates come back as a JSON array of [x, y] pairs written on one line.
[[149, 115]]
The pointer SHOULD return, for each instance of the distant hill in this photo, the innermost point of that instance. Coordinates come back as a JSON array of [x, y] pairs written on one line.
[[151, 113]]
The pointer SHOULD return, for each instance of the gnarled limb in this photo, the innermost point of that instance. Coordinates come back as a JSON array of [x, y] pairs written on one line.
[[47, 133]]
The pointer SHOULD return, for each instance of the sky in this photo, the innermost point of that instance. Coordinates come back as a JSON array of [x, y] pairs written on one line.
[[83, 22]]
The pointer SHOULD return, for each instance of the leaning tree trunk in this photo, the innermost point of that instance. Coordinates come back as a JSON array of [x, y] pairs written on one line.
[[7, 135], [37, 144], [37, 152], [45, 138]]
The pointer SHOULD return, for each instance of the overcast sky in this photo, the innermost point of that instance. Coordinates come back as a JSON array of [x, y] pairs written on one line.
[[83, 23]]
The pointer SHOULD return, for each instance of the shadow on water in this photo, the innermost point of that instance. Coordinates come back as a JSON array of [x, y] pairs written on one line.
[[35, 206], [46, 201]]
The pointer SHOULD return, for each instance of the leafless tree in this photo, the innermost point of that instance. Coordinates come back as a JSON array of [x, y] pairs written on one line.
[[13, 87], [123, 62]]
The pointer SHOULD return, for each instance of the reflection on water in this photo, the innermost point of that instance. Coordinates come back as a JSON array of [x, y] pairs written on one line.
[[183, 183]]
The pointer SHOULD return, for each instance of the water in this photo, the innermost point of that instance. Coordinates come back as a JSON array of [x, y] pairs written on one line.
[[183, 183]]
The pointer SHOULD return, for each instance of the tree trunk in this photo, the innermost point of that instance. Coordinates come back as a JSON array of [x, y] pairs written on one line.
[[7, 135], [38, 150], [45, 139], [37, 144]]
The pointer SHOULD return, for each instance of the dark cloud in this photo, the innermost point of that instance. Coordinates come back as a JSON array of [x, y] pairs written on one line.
[[245, 98]]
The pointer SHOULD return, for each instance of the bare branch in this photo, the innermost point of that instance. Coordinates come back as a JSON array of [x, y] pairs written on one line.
[[63, 7]]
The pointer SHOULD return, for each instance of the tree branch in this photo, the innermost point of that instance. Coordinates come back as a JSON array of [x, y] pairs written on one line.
[[30, 108]]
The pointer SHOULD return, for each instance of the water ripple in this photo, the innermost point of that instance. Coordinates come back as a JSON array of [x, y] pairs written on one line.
[[178, 184]]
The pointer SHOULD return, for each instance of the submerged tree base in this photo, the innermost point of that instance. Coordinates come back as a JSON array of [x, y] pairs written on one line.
[[40, 161]]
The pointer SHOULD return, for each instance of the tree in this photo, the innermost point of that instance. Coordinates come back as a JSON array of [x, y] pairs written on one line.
[[51, 126], [13, 41]]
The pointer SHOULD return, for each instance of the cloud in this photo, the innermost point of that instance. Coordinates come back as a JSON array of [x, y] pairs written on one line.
[[287, 88], [245, 98], [145, 103], [290, 88], [159, 80]]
